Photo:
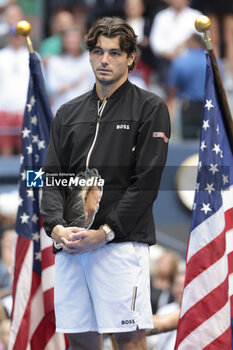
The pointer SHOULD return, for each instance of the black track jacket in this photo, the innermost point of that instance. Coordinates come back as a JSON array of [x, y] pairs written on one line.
[[130, 153]]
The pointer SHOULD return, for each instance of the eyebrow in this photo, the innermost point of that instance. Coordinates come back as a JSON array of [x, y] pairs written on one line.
[[114, 48]]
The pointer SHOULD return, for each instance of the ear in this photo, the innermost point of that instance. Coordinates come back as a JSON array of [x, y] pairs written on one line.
[[131, 58]]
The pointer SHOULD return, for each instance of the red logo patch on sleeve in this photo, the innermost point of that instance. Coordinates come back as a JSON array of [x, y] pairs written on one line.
[[160, 135]]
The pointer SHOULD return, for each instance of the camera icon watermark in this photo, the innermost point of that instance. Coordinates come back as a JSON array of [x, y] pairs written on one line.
[[35, 178]]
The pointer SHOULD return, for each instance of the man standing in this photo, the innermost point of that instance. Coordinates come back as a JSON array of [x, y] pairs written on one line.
[[102, 273], [186, 81]]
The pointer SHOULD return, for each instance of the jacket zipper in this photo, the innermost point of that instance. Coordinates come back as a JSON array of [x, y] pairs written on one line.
[[100, 112]]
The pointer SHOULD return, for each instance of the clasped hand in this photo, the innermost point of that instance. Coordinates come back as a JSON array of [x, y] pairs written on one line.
[[77, 240]]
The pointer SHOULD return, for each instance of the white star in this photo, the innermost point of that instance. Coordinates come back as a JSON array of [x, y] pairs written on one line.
[[197, 186], [25, 132], [37, 158], [24, 218], [29, 148], [206, 208], [35, 218], [30, 193], [38, 173], [225, 179], [29, 107], [208, 104], [217, 128], [213, 168], [221, 154], [38, 256], [199, 165], [34, 120], [35, 138], [21, 158], [23, 175], [20, 201], [216, 149], [203, 146], [35, 236], [41, 144], [205, 124], [209, 188], [32, 100], [194, 206]]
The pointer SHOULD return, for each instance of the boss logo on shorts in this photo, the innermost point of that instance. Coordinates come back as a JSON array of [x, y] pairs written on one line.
[[125, 322], [123, 126]]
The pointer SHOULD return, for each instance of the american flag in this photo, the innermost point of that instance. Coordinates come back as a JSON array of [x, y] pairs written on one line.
[[206, 310], [33, 324]]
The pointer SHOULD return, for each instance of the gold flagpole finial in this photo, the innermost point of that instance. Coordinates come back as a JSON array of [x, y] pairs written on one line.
[[23, 28], [202, 24]]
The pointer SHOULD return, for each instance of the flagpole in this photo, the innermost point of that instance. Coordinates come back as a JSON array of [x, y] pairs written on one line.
[[23, 28], [202, 24]]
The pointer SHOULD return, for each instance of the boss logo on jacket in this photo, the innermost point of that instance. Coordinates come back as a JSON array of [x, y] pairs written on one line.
[[123, 126]]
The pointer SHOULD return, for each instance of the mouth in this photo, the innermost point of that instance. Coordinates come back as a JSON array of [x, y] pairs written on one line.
[[103, 70]]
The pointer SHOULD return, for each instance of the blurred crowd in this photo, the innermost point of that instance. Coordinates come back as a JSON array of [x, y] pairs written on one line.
[[171, 54]]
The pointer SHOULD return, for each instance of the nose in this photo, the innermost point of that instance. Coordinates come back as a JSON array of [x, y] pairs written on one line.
[[105, 59]]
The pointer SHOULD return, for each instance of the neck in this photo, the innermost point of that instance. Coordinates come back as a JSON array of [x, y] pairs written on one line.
[[178, 10], [105, 91], [75, 53]]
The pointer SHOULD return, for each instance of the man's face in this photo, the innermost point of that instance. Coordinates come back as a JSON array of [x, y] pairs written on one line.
[[109, 63], [178, 4]]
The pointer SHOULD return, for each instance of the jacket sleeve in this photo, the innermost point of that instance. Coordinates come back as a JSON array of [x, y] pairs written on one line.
[[52, 202], [151, 153]]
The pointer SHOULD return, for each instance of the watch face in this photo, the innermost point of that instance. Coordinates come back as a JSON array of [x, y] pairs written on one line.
[[111, 236]]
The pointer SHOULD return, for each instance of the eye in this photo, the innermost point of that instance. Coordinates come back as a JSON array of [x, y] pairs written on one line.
[[97, 51], [114, 53]]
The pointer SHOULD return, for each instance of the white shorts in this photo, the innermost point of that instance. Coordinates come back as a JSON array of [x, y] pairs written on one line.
[[106, 290]]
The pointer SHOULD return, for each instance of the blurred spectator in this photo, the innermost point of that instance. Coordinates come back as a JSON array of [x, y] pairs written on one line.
[[165, 268], [134, 10], [14, 76], [79, 8], [3, 23], [60, 22], [186, 81], [69, 74], [7, 242], [167, 340], [102, 8], [6, 248], [170, 29], [221, 30], [5, 288], [134, 15], [8, 208], [4, 334], [153, 7], [13, 14], [32, 10]]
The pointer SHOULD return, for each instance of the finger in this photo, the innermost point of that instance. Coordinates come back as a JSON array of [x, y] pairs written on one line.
[[69, 243], [77, 229], [64, 241], [78, 236]]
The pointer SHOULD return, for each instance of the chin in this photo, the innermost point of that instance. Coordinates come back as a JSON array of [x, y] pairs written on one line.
[[105, 81]]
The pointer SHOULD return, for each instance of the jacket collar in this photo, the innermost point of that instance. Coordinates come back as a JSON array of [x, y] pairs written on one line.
[[117, 93]]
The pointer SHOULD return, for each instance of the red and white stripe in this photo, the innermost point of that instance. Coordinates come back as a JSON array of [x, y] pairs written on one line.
[[33, 322], [205, 318]]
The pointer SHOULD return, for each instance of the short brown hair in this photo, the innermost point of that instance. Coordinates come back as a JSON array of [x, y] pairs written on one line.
[[111, 27]]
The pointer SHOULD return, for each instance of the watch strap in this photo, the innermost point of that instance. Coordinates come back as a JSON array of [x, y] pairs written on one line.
[[109, 234]]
